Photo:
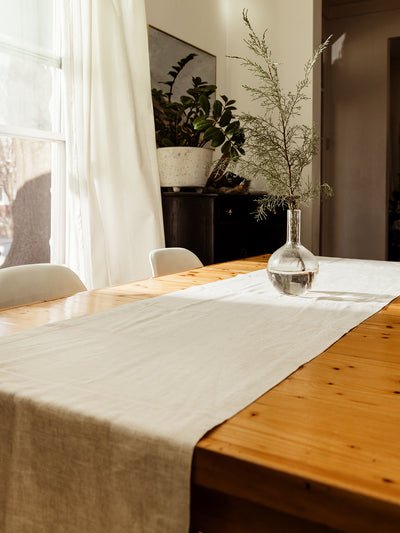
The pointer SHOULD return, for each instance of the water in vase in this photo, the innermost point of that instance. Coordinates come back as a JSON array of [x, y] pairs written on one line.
[[292, 283]]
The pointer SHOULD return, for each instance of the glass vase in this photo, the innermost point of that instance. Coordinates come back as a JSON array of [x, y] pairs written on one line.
[[292, 268]]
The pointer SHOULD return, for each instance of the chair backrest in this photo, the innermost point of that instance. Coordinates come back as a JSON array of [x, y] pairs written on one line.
[[170, 260], [25, 284]]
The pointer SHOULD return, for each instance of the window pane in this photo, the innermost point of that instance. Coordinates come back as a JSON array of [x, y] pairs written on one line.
[[28, 22], [29, 93], [25, 206]]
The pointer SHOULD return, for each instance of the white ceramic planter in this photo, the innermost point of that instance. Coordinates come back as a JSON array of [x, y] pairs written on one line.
[[184, 166]]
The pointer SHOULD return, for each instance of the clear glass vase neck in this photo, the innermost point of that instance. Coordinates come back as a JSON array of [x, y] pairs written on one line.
[[292, 268], [293, 226]]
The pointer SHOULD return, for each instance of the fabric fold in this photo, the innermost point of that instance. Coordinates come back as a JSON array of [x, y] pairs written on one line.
[[100, 414]]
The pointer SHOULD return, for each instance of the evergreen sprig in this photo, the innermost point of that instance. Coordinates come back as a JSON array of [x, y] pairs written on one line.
[[278, 148]]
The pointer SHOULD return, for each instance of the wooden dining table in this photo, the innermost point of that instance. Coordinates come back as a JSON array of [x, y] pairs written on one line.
[[319, 452]]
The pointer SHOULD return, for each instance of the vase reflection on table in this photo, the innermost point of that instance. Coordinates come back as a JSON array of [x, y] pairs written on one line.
[[292, 268]]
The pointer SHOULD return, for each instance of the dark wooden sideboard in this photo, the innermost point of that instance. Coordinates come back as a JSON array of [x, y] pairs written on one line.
[[220, 227]]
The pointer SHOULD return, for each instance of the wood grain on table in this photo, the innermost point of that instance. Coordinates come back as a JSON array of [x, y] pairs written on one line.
[[319, 452]]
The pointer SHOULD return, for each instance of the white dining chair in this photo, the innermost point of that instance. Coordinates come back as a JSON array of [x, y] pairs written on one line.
[[170, 260], [25, 284]]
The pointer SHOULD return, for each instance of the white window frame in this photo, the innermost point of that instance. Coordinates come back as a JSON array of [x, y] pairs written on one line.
[[58, 162]]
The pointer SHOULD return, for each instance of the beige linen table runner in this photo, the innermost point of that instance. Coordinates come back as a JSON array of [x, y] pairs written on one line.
[[99, 415]]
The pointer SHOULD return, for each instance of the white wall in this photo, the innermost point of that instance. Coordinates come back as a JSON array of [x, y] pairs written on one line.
[[355, 220], [289, 35], [217, 27], [200, 23]]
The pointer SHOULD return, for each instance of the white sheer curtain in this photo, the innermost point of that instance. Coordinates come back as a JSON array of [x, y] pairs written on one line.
[[114, 215]]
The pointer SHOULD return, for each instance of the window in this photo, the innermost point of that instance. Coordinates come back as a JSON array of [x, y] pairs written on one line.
[[31, 139]]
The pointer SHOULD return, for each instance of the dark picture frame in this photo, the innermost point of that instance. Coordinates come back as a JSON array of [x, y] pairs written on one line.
[[165, 50]]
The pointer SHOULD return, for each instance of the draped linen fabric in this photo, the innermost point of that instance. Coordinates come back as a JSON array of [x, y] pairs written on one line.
[[114, 215], [100, 414]]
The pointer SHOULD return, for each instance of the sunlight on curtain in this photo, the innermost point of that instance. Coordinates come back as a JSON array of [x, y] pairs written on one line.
[[114, 215]]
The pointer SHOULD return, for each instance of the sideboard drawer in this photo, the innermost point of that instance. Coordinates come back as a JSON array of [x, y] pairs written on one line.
[[220, 227], [236, 208]]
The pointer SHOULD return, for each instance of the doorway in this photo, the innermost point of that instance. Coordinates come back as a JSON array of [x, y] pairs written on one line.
[[394, 151], [356, 73]]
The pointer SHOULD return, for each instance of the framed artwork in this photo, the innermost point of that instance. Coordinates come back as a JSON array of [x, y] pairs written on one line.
[[166, 50]]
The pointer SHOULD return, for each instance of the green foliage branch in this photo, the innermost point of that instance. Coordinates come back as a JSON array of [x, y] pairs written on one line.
[[193, 121], [278, 148]]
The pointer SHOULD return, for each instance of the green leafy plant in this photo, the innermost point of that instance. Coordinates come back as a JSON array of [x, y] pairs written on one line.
[[194, 121], [278, 148]]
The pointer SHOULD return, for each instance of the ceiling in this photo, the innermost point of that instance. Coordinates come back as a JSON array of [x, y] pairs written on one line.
[[332, 9]]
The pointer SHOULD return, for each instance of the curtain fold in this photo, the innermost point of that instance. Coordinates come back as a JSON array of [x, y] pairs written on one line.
[[114, 215]]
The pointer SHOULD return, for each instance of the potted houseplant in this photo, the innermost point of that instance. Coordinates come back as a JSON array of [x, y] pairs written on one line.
[[189, 128], [278, 149]]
